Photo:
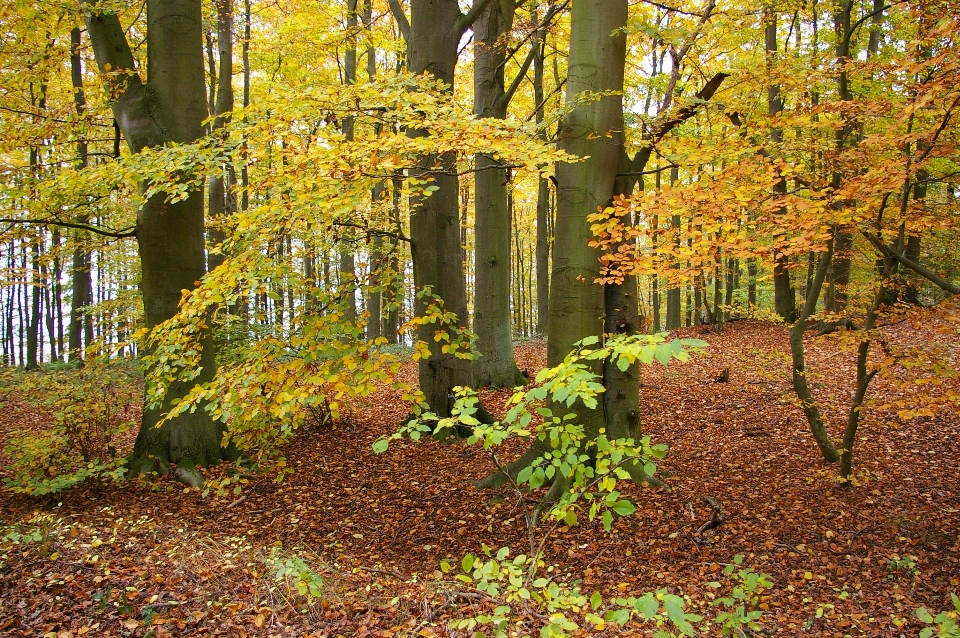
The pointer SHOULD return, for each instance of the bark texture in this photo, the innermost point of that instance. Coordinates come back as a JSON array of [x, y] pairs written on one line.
[[433, 35], [496, 365], [170, 107]]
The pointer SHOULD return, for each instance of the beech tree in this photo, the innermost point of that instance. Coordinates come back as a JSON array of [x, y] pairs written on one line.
[[169, 107], [593, 129], [433, 35]]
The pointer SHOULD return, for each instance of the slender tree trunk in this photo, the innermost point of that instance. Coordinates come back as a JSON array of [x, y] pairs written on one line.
[[655, 280], [800, 383], [220, 191], [496, 366], [347, 271], [673, 294], [543, 191], [378, 258], [784, 300], [33, 327]]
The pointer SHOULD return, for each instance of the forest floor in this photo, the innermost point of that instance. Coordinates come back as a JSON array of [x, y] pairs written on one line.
[[155, 559]]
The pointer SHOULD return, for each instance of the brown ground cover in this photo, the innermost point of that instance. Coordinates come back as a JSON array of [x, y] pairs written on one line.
[[154, 559]]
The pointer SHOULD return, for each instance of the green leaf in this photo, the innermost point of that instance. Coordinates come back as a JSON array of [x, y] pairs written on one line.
[[607, 520], [673, 605], [663, 354], [380, 446], [596, 600], [624, 508], [619, 616], [467, 562], [924, 615], [647, 605]]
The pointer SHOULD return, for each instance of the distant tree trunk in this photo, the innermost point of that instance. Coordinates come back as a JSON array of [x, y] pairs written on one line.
[[33, 328], [732, 281], [543, 191], [836, 299], [783, 296], [347, 272], [673, 294], [222, 198], [36, 248], [655, 280], [245, 57], [170, 236], [393, 293], [496, 366]]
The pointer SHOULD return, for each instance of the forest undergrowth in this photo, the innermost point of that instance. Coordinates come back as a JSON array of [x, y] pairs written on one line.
[[352, 543]]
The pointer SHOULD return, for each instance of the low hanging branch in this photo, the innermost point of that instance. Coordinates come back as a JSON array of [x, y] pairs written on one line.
[[130, 231], [926, 273]]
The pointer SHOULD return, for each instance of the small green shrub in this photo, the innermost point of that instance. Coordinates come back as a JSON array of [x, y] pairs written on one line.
[[87, 411], [946, 624]]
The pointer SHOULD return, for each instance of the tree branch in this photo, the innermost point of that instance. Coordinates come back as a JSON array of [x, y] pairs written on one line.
[[639, 161], [927, 274], [522, 73], [467, 19], [119, 234], [402, 23]]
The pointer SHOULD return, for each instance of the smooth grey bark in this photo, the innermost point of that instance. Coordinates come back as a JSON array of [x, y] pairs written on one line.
[[170, 107], [378, 259], [491, 322], [593, 129], [433, 35]]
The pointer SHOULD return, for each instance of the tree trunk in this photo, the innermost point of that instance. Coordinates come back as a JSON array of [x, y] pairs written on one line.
[[170, 236], [783, 298], [434, 33], [673, 294], [496, 366], [800, 383], [33, 327], [543, 193], [223, 200], [347, 271]]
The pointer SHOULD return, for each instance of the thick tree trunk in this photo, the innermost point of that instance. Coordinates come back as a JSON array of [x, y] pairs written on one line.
[[434, 33], [170, 236], [594, 130], [496, 366]]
